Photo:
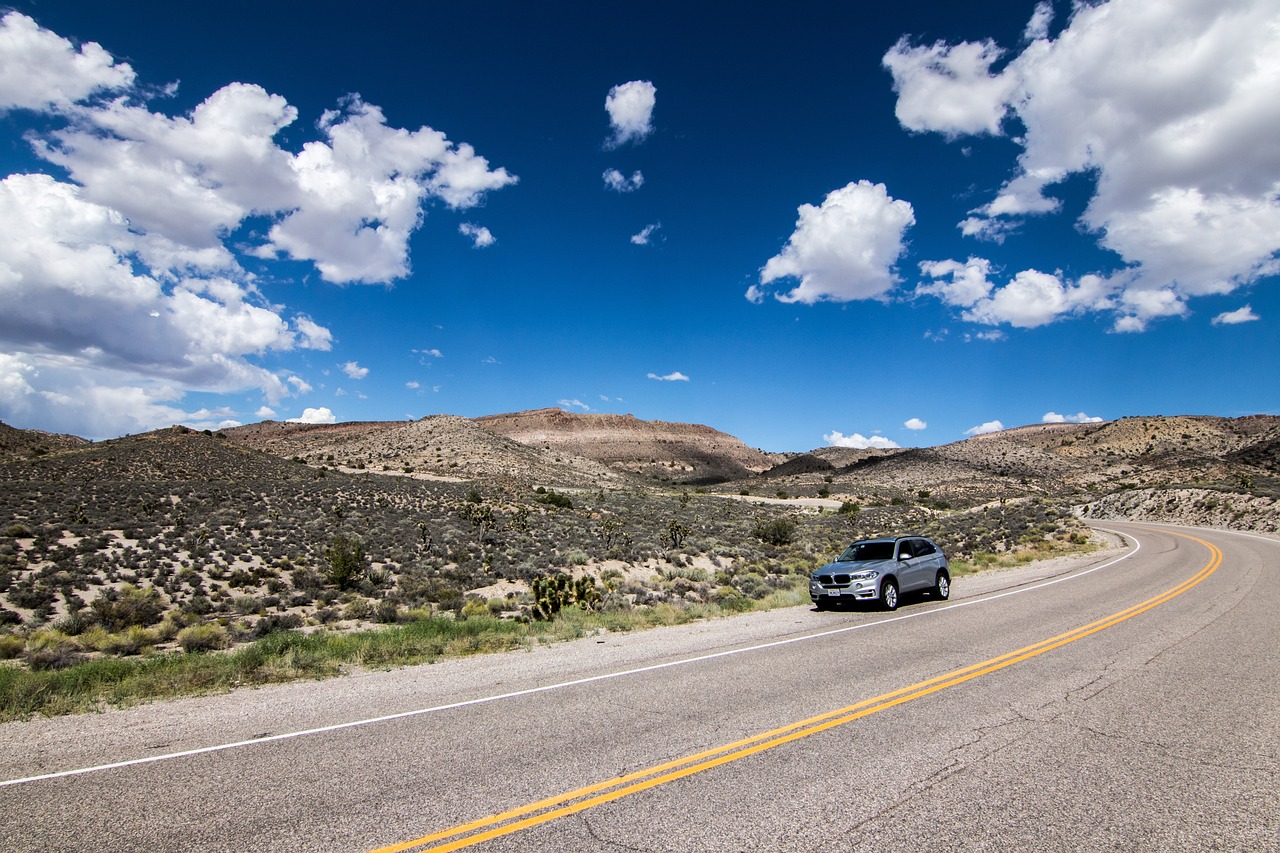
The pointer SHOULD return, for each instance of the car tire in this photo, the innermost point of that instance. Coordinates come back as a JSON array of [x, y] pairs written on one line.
[[889, 595], [942, 587], [821, 605]]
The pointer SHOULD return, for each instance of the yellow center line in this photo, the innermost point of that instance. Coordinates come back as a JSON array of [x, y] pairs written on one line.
[[572, 802]]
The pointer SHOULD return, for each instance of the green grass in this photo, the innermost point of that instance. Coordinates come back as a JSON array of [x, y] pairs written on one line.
[[288, 656]]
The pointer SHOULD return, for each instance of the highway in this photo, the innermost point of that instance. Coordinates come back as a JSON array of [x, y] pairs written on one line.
[[1125, 701]]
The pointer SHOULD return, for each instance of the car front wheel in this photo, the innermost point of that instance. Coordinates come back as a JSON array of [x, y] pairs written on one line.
[[942, 588], [889, 595]]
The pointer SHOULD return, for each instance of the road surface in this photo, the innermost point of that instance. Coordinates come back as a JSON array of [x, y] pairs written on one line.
[[1128, 701]]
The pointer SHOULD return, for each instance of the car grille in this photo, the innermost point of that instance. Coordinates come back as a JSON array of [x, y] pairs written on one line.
[[833, 580]]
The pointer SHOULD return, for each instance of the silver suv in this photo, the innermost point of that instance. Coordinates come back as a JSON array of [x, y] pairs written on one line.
[[881, 570]]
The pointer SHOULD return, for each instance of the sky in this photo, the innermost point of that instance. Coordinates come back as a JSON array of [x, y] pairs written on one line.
[[804, 224]]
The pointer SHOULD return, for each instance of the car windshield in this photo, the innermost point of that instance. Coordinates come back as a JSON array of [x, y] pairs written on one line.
[[861, 552]]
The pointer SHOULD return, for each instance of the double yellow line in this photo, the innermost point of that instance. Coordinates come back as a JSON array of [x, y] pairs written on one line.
[[572, 802]]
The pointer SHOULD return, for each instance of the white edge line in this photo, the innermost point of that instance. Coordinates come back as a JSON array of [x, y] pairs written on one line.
[[62, 774]]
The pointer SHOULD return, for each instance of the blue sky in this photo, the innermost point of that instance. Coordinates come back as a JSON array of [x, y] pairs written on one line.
[[864, 224]]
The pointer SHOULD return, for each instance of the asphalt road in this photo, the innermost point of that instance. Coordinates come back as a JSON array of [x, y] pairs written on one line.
[[1124, 702]]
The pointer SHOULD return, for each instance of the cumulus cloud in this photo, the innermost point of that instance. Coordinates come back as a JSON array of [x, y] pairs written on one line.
[[1240, 315], [842, 250], [41, 70], [630, 108], [354, 370], [675, 376], [618, 182], [646, 233], [1079, 418], [860, 442], [1171, 107], [481, 237], [984, 429], [121, 285], [321, 415], [265, 413], [915, 424]]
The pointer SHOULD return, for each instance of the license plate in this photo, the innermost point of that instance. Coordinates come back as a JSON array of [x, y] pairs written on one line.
[[833, 593]]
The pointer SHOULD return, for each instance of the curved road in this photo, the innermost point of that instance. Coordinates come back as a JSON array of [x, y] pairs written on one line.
[[1128, 703]]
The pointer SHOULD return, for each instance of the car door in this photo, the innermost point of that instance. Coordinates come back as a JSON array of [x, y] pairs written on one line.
[[908, 566], [928, 560]]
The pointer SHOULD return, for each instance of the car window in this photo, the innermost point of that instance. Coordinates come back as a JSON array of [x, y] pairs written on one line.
[[860, 552], [905, 549], [922, 547]]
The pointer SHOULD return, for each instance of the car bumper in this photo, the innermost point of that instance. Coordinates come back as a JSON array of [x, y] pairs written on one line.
[[828, 595]]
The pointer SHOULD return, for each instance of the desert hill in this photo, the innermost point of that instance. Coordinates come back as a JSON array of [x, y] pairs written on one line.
[[1053, 460], [30, 443], [438, 446], [689, 453]]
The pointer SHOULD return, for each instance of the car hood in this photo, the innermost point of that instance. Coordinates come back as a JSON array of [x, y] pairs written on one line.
[[851, 566]]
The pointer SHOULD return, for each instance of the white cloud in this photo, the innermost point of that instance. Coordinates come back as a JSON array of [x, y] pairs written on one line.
[[1038, 26], [354, 370], [265, 413], [860, 442], [321, 415], [480, 236], [949, 88], [1240, 315], [1032, 298], [573, 404], [844, 249], [1079, 418], [41, 70], [983, 429], [675, 376], [120, 285], [313, 335], [618, 182], [642, 239], [915, 424], [1172, 107], [630, 108]]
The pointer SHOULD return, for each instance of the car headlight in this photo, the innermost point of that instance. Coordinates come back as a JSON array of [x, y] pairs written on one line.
[[864, 576]]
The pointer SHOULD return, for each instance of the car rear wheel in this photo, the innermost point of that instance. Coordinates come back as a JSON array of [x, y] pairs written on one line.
[[942, 588], [889, 595]]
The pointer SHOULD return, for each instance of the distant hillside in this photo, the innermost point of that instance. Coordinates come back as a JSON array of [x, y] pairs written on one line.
[[29, 443], [1053, 460], [439, 446], [657, 449]]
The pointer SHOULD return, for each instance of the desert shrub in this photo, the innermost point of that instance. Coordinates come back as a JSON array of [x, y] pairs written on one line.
[[202, 638], [475, 607], [10, 646], [685, 572], [246, 604], [128, 606], [777, 531], [387, 612], [52, 650], [358, 608], [752, 585], [728, 598], [345, 561], [131, 641], [550, 497]]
